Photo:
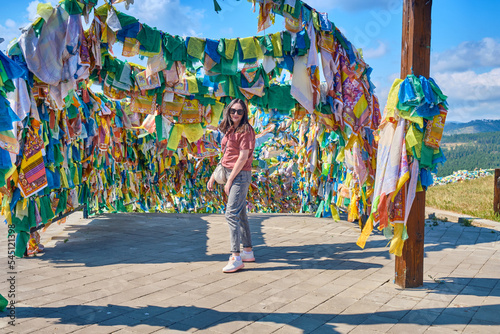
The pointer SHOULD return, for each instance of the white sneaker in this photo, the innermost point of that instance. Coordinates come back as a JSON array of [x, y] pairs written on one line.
[[233, 265], [247, 257]]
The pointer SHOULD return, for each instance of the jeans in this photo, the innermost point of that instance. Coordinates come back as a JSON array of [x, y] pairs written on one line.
[[236, 211]]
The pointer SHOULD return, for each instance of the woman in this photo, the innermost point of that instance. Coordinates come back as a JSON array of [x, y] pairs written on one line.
[[238, 145]]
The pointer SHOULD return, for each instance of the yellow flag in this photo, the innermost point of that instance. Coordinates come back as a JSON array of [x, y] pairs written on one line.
[[397, 241], [367, 230]]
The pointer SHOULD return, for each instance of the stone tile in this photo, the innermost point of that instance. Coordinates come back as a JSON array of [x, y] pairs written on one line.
[[492, 300], [378, 323], [362, 307], [335, 327], [442, 297], [414, 293], [488, 313], [440, 330], [467, 300], [296, 307], [377, 297], [401, 303], [335, 305], [201, 320], [423, 317], [435, 304], [62, 328], [387, 311], [230, 324], [303, 281], [407, 328], [96, 329], [138, 329], [328, 329], [27, 326], [364, 330], [287, 330], [453, 322], [480, 326], [307, 323], [484, 282], [259, 327]]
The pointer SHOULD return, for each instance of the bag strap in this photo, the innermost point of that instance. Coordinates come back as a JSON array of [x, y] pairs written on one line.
[[224, 152], [225, 147]]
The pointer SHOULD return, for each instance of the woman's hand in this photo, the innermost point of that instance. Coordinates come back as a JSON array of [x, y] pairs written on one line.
[[210, 184], [227, 186]]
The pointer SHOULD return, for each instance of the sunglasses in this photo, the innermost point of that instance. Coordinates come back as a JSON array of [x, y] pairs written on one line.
[[234, 111]]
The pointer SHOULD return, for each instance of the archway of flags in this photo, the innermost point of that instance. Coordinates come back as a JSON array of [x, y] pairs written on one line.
[[146, 140]]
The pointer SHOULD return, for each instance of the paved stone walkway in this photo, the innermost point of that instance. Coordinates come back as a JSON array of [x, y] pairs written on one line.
[[156, 273]]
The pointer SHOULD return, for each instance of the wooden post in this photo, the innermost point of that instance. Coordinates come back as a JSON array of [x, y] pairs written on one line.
[[415, 57], [496, 198]]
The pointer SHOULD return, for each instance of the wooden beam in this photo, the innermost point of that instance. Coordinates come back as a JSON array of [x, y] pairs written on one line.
[[416, 38], [415, 58], [496, 192]]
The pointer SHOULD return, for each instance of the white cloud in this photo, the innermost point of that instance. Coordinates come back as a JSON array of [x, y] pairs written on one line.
[[169, 16], [10, 23], [470, 75], [383, 88], [471, 95], [468, 55], [393, 76], [32, 7], [380, 51], [470, 112], [469, 85], [11, 29], [8, 33]]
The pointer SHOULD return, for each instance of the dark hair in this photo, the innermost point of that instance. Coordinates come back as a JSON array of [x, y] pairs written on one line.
[[227, 123]]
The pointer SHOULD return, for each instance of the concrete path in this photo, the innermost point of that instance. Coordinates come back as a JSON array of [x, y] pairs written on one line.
[[158, 273]]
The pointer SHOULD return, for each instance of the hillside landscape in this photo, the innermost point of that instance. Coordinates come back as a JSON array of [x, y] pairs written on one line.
[[471, 145], [470, 197], [476, 126], [470, 151]]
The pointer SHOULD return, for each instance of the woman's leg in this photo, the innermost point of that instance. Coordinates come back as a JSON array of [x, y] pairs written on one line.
[[246, 237], [236, 203]]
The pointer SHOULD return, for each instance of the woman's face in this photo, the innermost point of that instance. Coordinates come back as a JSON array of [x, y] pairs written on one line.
[[235, 111]]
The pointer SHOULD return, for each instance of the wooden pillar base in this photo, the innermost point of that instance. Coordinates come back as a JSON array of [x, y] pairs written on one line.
[[410, 266]]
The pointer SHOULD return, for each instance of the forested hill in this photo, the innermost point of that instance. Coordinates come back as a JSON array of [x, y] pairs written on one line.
[[470, 151], [479, 125]]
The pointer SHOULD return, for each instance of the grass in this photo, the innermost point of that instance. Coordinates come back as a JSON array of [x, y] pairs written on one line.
[[471, 197]]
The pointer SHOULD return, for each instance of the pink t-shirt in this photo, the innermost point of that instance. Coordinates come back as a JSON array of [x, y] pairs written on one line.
[[237, 142]]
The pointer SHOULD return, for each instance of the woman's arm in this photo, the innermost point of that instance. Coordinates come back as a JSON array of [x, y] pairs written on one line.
[[210, 184], [238, 166]]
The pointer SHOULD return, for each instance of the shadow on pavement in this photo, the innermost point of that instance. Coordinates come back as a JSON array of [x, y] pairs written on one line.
[[448, 235], [481, 287], [186, 318], [171, 238]]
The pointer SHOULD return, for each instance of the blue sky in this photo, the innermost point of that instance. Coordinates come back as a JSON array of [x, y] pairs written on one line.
[[465, 43]]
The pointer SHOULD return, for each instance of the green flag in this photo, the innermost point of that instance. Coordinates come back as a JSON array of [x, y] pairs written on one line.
[[3, 303], [217, 7]]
